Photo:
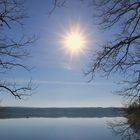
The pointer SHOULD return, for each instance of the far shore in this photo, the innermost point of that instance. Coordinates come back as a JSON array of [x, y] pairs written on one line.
[[55, 112]]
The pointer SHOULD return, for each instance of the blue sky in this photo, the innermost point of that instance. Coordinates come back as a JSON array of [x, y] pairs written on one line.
[[60, 78]]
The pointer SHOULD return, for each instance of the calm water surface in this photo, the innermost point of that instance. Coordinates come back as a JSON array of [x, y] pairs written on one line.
[[57, 129]]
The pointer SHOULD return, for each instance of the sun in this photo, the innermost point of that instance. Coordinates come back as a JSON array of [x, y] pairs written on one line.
[[74, 40]]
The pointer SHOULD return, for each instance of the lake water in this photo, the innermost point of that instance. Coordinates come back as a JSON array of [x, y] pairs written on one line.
[[57, 129]]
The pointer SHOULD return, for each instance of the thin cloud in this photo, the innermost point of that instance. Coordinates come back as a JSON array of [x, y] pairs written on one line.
[[70, 83], [61, 82]]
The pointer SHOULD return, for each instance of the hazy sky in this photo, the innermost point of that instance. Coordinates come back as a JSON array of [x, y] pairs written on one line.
[[59, 76]]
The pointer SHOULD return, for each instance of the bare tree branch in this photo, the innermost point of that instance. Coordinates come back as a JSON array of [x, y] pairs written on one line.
[[122, 54], [15, 90], [13, 51], [128, 128], [56, 4]]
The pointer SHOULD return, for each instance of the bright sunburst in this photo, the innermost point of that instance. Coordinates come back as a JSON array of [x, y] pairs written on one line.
[[74, 40]]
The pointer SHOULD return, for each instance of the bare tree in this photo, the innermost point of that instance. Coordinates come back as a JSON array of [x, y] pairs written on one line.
[[57, 4], [127, 129], [121, 54], [12, 51]]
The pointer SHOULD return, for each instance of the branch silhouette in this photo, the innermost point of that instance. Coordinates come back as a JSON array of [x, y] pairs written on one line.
[[12, 51]]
